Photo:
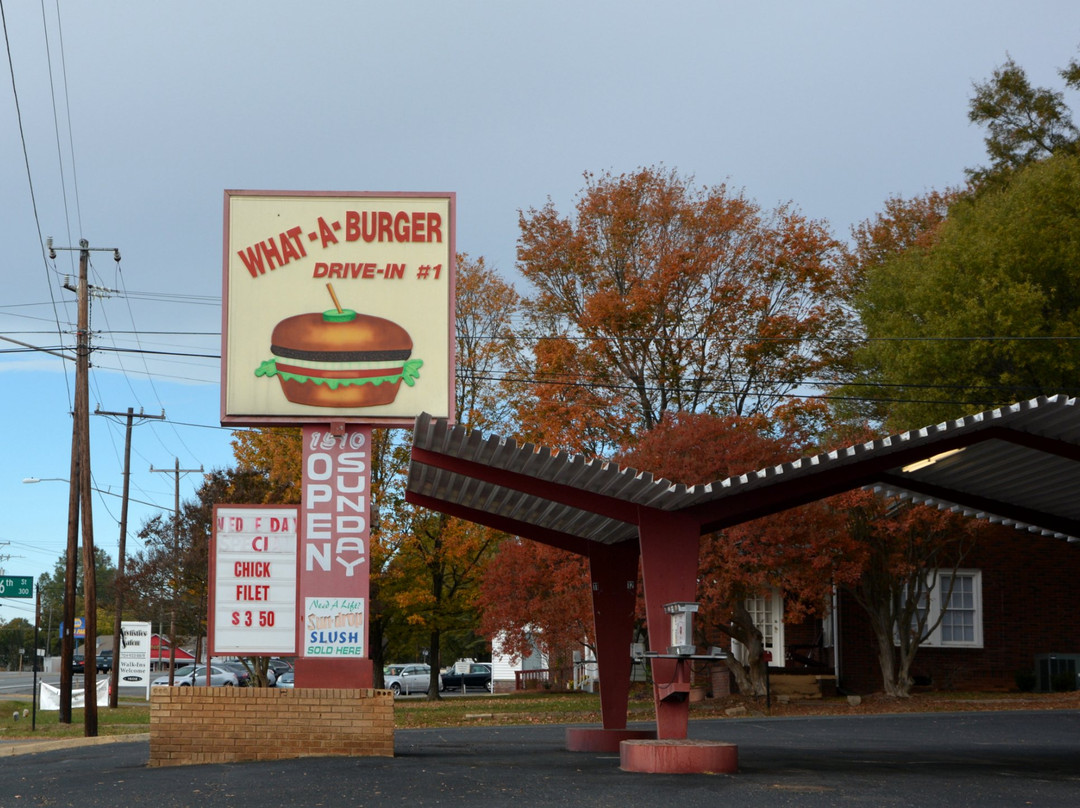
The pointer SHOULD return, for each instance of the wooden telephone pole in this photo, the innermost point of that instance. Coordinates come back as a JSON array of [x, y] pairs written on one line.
[[121, 582], [79, 504], [176, 560]]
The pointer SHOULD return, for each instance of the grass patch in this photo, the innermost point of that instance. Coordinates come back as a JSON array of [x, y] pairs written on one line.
[[526, 707], [529, 707], [130, 717]]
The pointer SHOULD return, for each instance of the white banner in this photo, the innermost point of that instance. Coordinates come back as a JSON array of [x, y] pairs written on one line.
[[49, 696]]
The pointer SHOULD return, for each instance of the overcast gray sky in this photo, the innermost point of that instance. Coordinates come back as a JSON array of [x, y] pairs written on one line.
[[135, 117]]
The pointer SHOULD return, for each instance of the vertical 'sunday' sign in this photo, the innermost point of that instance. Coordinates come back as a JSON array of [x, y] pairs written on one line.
[[334, 565]]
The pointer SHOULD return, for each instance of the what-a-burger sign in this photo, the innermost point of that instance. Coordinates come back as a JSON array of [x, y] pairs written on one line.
[[337, 307], [338, 317]]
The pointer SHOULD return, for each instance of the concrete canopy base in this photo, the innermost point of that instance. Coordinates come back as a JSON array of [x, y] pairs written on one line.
[[598, 739], [679, 756]]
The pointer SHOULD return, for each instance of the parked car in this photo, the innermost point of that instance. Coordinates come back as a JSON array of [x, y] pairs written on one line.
[[407, 678], [478, 675], [196, 675], [78, 663], [104, 661], [279, 666], [287, 679], [243, 675]]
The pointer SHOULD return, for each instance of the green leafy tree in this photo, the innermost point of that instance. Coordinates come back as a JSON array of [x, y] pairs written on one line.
[[988, 313], [16, 644], [1024, 124], [168, 578], [51, 588], [905, 226], [434, 579]]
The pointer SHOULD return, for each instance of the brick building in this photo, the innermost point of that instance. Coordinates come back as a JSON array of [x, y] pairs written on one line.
[[1022, 605]]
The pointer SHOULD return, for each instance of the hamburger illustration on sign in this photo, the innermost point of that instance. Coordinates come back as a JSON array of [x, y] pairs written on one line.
[[376, 347], [340, 358]]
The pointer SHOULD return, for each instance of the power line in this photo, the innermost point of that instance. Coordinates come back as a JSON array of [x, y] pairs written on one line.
[[29, 174], [56, 126], [67, 111]]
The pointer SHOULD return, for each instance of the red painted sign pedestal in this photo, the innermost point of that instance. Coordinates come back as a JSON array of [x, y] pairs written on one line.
[[342, 674]]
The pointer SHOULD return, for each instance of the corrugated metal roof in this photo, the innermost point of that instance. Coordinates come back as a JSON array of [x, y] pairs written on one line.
[[1017, 465]]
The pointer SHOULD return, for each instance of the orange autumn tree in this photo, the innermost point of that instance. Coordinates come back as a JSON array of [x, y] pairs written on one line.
[[537, 599], [905, 224], [533, 597], [678, 298], [555, 408], [802, 552], [655, 297], [439, 559], [907, 551], [274, 452]]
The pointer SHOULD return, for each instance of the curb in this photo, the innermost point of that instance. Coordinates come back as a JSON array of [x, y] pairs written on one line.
[[30, 747]]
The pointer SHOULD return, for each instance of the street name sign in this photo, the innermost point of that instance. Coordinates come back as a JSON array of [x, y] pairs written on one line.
[[16, 586]]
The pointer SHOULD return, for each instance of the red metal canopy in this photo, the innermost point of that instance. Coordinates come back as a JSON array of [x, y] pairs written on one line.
[[1016, 465]]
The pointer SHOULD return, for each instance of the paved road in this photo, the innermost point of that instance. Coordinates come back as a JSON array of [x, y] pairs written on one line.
[[956, 759]]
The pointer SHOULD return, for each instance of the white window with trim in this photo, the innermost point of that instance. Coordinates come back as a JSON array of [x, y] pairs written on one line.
[[957, 593]]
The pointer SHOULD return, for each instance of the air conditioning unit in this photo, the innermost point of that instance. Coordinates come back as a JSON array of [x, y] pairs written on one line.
[[1050, 668]]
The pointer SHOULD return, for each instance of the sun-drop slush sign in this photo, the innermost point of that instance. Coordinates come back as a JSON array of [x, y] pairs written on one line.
[[337, 307], [253, 561], [334, 562]]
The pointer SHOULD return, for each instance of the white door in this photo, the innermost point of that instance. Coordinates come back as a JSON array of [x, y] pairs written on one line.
[[767, 612]]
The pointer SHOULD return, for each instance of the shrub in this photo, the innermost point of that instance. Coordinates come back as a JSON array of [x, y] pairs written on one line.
[[1025, 681], [1063, 681]]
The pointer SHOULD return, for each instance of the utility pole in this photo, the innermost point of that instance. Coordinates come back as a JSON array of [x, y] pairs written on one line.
[[121, 581], [79, 504], [176, 557], [81, 430]]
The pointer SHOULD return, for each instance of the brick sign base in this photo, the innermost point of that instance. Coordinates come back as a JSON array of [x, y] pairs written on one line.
[[226, 724]]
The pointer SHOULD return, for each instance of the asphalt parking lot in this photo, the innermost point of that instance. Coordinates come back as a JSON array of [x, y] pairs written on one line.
[[945, 759]]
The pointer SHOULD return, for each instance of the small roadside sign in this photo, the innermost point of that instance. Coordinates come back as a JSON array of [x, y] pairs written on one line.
[[16, 586], [79, 631]]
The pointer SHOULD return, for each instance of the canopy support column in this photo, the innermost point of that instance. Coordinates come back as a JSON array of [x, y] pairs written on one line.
[[669, 566], [613, 569]]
